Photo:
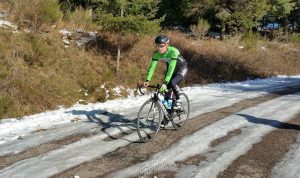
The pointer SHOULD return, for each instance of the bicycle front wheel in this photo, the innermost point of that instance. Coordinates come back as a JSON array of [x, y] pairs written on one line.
[[182, 114], [148, 121]]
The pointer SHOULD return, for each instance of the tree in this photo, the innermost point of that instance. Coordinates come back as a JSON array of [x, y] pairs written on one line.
[[218, 8], [173, 12], [248, 13], [294, 16], [280, 10], [223, 14], [125, 17], [243, 14], [69, 6]]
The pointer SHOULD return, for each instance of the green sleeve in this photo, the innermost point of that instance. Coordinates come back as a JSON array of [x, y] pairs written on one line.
[[171, 69], [151, 69]]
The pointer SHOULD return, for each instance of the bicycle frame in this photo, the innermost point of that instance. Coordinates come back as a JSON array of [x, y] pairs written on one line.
[[155, 98], [147, 129]]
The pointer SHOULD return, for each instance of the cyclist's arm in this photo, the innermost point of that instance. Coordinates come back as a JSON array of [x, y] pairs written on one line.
[[151, 69], [170, 71]]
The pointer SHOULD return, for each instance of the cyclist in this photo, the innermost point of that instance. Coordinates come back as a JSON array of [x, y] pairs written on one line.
[[176, 66]]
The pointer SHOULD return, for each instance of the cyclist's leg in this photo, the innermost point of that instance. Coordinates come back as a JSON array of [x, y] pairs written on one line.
[[176, 79], [168, 96], [174, 84]]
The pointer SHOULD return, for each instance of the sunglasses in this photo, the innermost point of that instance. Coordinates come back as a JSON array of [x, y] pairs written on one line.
[[160, 46]]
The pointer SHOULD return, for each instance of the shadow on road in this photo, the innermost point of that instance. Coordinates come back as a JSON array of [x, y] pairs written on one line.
[[108, 120], [271, 122]]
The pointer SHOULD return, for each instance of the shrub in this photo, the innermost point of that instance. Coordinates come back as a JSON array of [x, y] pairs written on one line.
[[34, 49], [250, 40], [2, 48], [294, 38], [49, 11], [5, 104], [3, 72], [201, 28], [35, 13], [80, 18], [3, 42], [128, 24]]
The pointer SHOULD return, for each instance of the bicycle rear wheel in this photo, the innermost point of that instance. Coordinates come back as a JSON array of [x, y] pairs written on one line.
[[148, 121], [181, 115]]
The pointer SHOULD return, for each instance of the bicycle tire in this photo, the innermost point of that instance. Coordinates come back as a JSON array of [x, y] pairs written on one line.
[[182, 114], [149, 120]]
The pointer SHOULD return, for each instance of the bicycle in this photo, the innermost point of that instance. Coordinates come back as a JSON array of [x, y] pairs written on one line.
[[153, 111]]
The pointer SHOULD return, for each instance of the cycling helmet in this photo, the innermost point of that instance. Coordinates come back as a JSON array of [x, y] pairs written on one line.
[[161, 39]]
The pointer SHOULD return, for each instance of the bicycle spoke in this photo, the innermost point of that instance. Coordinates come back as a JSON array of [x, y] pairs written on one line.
[[182, 116], [148, 121]]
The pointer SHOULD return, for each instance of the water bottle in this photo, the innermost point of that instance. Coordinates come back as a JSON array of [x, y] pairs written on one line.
[[165, 103], [170, 102], [161, 97]]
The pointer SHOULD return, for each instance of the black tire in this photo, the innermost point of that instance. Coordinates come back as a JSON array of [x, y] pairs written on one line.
[[148, 121], [182, 114]]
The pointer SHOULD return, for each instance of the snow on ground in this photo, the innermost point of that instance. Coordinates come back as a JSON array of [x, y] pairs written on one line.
[[85, 37], [13, 128], [254, 122], [203, 98], [5, 24]]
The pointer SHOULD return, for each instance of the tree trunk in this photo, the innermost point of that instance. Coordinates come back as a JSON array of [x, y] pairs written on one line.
[[118, 59], [285, 26], [119, 49], [222, 30]]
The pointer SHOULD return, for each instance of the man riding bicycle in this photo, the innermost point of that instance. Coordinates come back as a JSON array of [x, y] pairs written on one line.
[[176, 66]]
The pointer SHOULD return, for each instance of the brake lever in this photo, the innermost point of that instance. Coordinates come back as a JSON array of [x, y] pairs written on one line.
[[140, 86]]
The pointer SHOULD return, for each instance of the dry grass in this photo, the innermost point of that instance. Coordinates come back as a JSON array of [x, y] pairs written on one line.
[[33, 14], [80, 19], [215, 61], [37, 73]]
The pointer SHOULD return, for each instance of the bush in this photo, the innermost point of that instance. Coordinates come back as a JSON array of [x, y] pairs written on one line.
[[80, 18], [34, 49], [294, 38], [5, 104], [250, 40], [201, 28], [2, 48], [3, 40], [127, 24], [35, 13], [3, 72], [49, 11]]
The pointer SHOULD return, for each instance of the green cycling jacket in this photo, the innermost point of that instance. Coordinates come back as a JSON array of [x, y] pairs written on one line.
[[170, 58]]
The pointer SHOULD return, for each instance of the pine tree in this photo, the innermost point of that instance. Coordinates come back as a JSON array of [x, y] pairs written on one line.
[[126, 17], [247, 14], [218, 9], [243, 14], [294, 16], [280, 10]]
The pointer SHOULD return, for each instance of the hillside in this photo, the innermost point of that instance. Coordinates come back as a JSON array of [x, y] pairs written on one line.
[[42, 70], [68, 109]]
